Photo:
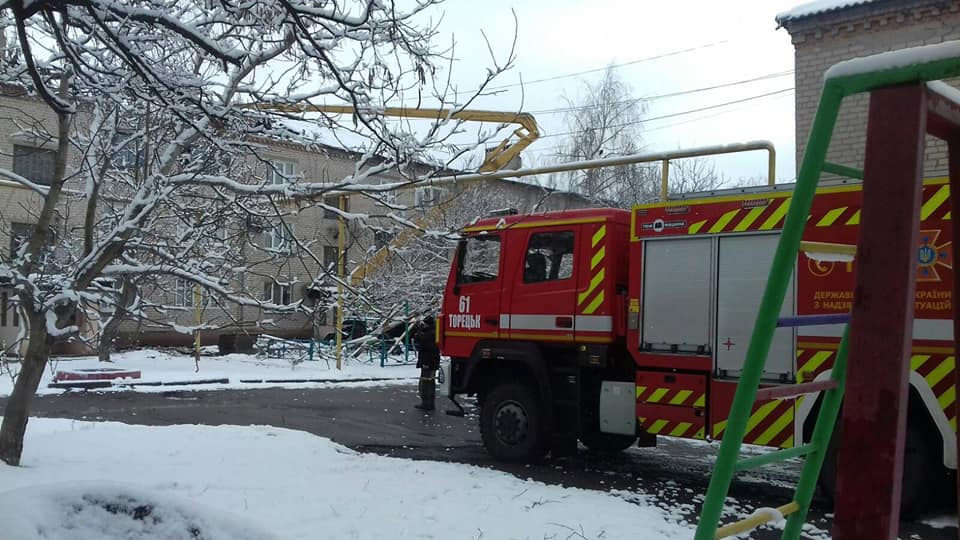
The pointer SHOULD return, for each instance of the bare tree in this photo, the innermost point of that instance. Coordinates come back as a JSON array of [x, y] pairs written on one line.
[[604, 121], [168, 83]]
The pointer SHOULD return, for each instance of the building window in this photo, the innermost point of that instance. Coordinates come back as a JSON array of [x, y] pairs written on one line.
[[549, 257], [127, 152], [34, 164], [334, 202], [19, 233], [183, 296], [281, 172], [279, 237], [330, 257], [277, 293]]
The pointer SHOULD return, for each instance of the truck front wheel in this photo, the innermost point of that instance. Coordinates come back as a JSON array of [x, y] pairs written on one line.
[[512, 424]]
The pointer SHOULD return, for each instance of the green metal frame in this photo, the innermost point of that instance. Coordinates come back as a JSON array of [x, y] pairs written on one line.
[[834, 91]]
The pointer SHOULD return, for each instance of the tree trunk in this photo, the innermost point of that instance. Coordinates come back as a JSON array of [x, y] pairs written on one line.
[[110, 330], [17, 411]]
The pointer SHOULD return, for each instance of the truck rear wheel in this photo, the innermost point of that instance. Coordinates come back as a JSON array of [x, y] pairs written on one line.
[[920, 465], [512, 424]]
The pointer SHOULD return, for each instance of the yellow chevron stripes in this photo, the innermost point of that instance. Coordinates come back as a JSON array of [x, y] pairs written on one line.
[[665, 396], [599, 273], [681, 428], [598, 257], [695, 228], [918, 360], [657, 426], [830, 217], [594, 283], [748, 220], [947, 398], [934, 202], [681, 397], [758, 416], [657, 395], [777, 216], [594, 305], [723, 221], [811, 366], [855, 219], [598, 236], [941, 371], [775, 429]]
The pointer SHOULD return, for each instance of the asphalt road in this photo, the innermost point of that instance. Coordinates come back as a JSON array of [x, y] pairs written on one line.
[[674, 475]]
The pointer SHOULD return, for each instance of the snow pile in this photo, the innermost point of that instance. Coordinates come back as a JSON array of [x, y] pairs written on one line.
[[305, 487], [102, 510], [171, 367], [816, 8], [895, 59]]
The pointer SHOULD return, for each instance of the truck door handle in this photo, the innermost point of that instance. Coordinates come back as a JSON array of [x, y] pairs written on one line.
[[564, 322], [490, 321]]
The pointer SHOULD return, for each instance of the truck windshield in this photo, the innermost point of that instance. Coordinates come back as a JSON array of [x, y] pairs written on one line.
[[479, 259]]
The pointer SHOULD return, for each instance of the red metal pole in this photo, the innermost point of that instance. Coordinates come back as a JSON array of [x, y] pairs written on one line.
[[953, 157], [881, 329]]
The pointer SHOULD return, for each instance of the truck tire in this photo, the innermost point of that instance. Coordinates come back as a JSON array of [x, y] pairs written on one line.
[[920, 465], [512, 423], [598, 441], [607, 443]]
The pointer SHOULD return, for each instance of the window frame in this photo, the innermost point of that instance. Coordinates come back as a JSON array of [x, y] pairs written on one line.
[[23, 151], [285, 291], [553, 263], [278, 237], [463, 252], [278, 173]]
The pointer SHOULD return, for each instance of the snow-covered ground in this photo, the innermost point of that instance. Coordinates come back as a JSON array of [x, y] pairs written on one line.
[[293, 485], [171, 367]]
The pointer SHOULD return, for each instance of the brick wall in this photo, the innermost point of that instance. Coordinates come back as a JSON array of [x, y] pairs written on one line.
[[821, 41]]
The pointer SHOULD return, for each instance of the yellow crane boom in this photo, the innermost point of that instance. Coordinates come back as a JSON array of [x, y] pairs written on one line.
[[496, 158]]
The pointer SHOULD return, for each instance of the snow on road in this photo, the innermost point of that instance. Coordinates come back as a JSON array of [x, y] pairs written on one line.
[[168, 367], [297, 485]]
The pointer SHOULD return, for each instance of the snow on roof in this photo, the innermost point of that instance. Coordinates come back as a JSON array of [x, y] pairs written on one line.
[[895, 59], [818, 7]]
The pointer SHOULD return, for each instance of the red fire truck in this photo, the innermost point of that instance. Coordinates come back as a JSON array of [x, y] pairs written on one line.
[[606, 326]]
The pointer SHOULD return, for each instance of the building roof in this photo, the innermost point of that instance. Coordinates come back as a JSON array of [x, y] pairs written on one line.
[[818, 7]]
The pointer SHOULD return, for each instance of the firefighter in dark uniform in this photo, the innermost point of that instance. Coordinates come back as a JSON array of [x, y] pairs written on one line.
[[428, 360]]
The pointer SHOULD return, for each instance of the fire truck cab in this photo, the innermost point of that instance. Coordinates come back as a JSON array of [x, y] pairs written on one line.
[[529, 319], [607, 325]]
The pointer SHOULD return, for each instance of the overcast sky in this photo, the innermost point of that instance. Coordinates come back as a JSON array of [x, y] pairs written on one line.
[[724, 42]]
